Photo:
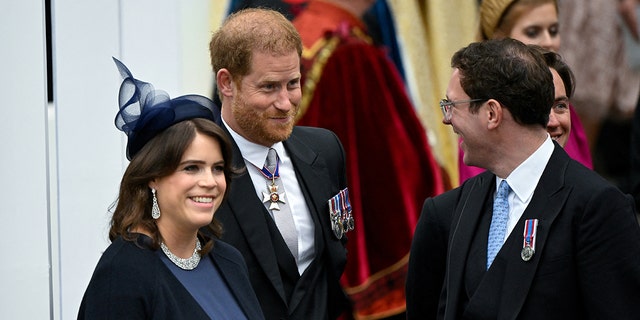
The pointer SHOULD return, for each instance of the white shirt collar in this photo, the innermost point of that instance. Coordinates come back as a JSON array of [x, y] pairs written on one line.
[[524, 179], [252, 152]]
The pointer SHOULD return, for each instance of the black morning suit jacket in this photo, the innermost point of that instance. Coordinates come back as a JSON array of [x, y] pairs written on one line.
[[586, 263], [318, 160]]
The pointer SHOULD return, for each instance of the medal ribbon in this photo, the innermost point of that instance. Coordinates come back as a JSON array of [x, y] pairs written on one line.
[[267, 174], [332, 206], [271, 176], [346, 197], [530, 229]]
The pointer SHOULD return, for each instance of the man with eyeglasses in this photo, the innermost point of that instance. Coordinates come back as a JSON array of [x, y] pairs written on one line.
[[536, 236], [446, 105]]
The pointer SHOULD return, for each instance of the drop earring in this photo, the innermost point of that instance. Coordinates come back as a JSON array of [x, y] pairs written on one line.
[[155, 209]]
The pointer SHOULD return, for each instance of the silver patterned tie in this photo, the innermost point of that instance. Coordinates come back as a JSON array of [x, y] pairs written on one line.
[[276, 202], [499, 220]]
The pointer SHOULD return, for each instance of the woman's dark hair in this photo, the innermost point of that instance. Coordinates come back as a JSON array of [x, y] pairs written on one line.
[[554, 61], [159, 158]]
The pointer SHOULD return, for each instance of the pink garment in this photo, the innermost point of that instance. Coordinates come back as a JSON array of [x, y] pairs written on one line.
[[466, 171], [577, 148]]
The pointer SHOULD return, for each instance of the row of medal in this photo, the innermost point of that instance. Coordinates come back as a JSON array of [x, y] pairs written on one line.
[[340, 213]]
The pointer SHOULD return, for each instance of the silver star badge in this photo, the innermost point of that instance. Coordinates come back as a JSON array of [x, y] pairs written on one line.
[[274, 197]]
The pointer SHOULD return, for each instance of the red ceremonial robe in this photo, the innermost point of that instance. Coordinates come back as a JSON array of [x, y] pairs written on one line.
[[352, 88]]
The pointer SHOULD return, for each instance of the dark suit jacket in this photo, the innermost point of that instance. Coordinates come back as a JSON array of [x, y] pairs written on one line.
[[318, 160], [131, 282], [634, 176], [586, 262]]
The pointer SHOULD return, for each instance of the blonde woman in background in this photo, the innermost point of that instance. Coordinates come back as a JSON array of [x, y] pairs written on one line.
[[532, 22]]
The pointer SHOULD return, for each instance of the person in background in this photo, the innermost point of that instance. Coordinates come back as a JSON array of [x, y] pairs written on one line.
[[608, 88], [159, 265], [559, 125], [351, 87], [289, 212], [532, 22], [531, 237]]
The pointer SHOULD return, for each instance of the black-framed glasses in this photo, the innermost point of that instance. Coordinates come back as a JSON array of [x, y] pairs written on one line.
[[446, 105]]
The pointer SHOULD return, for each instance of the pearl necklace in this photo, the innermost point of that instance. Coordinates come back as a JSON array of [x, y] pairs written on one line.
[[184, 264]]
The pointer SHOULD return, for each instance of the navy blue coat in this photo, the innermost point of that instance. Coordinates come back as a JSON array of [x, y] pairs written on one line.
[[132, 282]]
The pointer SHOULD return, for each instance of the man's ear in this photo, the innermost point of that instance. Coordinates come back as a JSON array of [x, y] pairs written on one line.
[[495, 113], [224, 82]]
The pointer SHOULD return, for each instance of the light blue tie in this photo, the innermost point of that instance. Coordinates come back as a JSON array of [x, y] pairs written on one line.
[[499, 220]]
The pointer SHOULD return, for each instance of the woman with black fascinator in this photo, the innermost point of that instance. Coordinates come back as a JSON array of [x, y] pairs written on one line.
[[165, 260]]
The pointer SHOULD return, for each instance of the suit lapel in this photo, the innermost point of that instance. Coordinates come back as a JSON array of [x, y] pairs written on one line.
[[510, 277], [312, 175], [466, 218], [547, 202], [314, 178], [251, 213]]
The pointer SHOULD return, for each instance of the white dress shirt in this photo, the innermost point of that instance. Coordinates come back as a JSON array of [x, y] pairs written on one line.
[[524, 180], [254, 157]]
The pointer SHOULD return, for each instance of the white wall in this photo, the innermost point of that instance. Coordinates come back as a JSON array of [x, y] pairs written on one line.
[[24, 201], [89, 158], [61, 165]]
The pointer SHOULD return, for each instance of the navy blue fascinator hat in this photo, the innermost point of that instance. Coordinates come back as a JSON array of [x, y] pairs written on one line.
[[145, 112]]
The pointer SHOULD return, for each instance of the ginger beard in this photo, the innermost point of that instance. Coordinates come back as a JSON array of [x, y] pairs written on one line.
[[263, 126]]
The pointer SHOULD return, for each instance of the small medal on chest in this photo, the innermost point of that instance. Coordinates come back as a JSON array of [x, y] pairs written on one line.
[[529, 241], [271, 171], [273, 197]]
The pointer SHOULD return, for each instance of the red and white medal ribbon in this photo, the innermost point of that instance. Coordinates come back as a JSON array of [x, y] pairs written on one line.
[[529, 241], [340, 213]]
